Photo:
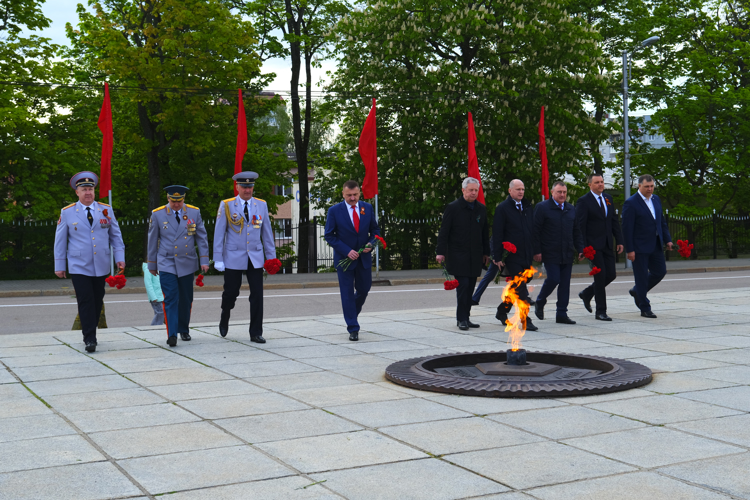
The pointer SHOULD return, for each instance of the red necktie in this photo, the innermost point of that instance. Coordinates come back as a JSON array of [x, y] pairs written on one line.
[[355, 218]]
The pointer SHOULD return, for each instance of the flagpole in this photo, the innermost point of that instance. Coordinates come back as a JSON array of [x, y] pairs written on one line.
[[377, 249]]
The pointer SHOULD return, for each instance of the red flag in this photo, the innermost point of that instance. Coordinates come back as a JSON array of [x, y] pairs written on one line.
[[543, 155], [108, 141], [368, 150], [473, 163], [239, 153]]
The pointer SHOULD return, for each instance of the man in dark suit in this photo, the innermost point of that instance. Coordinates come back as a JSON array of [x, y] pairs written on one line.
[[464, 245], [645, 234], [350, 225], [599, 227], [513, 223], [556, 239]]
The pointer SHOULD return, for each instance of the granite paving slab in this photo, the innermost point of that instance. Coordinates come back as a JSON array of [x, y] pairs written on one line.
[[293, 381], [671, 383], [196, 373], [662, 409], [42, 426], [403, 411], [345, 395], [48, 452], [80, 384], [71, 371], [239, 406], [268, 369], [726, 475], [129, 417], [219, 388], [737, 398], [285, 488], [287, 425], [101, 400], [734, 429]]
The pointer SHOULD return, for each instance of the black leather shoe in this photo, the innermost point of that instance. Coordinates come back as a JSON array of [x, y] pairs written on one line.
[[603, 317], [474, 302], [185, 336], [469, 323], [586, 302], [530, 326], [224, 323], [258, 339], [501, 316], [223, 330], [539, 310], [532, 302], [648, 314], [90, 346], [172, 341], [634, 294], [354, 336], [463, 325], [565, 321]]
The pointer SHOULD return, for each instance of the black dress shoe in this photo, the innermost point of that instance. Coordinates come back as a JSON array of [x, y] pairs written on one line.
[[354, 336], [185, 336], [634, 294], [474, 302], [463, 325], [90, 346], [530, 326], [223, 330], [224, 323], [603, 317], [532, 302], [172, 341], [469, 323], [539, 310], [565, 321], [501, 316], [258, 339], [648, 314], [586, 302]]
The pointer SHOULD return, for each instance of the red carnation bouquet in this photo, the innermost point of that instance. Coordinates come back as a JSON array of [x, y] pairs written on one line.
[[118, 281], [508, 248], [271, 266], [594, 271], [684, 247], [589, 252], [375, 243], [449, 284], [199, 280]]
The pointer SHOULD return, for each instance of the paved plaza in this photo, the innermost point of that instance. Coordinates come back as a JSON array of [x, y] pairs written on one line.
[[309, 415]]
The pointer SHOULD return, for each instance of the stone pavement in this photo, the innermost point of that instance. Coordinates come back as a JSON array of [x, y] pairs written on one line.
[[215, 283], [309, 415]]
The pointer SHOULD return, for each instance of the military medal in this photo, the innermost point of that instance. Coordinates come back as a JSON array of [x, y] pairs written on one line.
[[104, 223], [184, 217], [257, 221], [190, 226]]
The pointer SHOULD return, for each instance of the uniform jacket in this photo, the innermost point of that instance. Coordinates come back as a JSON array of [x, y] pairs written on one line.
[[556, 233], [514, 227], [598, 230], [341, 236], [464, 238], [153, 285], [640, 228], [170, 248], [85, 247], [235, 243]]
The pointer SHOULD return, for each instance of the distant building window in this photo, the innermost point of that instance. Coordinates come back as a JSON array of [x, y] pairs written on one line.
[[284, 190], [283, 229]]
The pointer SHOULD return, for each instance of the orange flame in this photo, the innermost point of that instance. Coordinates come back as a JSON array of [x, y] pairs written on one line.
[[516, 324]]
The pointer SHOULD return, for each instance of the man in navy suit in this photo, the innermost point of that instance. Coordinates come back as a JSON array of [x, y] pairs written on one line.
[[645, 233], [350, 225]]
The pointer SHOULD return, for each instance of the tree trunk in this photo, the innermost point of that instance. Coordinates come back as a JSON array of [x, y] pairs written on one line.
[[598, 115], [152, 155]]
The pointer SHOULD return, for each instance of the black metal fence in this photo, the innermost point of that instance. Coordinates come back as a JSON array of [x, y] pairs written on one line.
[[713, 236]]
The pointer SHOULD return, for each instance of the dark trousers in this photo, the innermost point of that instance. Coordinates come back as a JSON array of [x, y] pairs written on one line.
[[648, 271], [558, 275], [232, 284], [90, 297], [178, 302], [604, 260], [486, 279], [354, 285], [463, 296], [515, 269]]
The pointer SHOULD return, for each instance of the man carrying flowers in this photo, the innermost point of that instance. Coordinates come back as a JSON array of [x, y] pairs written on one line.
[[352, 231]]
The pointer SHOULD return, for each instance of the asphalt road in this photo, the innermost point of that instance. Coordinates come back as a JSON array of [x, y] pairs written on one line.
[[44, 314]]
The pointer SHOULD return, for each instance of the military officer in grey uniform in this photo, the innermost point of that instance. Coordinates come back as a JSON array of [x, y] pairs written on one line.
[[173, 232], [243, 234], [85, 231]]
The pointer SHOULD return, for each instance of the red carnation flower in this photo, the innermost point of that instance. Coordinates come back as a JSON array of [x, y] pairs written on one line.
[[589, 252], [510, 247], [594, 271], [272, 266], [450, 284], [382, 241], [199, 280]]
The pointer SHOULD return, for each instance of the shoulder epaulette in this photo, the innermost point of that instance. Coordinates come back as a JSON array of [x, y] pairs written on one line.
[[100, 203], [160, 208], [65, 208], [192, 206], [227, 200], [260, 200]]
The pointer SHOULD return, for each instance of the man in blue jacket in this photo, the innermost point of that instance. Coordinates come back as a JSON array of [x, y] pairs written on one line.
[[350, 225], [645, 233], [556, 239]]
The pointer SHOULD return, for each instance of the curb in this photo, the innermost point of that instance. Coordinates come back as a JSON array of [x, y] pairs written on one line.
[[329, 284]]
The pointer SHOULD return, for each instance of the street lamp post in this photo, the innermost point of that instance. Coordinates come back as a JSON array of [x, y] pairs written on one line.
[[625, 127]]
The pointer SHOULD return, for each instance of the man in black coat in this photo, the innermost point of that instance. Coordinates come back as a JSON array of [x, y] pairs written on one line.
[[599, 226], [464, 245], [513, 223], [556, 239]]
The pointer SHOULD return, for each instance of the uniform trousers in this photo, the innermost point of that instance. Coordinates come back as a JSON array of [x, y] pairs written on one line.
[[232, 284], [178, 302], [463, 296], [354, 285], [648, 271], [514, 269], [558, 275], [90, 297], [604, 260]]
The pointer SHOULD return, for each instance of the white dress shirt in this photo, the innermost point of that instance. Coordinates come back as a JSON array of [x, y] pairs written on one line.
[[604, 201], [351, 215], [649, 204]]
